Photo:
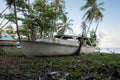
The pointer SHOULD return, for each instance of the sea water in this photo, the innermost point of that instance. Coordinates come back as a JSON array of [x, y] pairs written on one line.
[[110, 50]]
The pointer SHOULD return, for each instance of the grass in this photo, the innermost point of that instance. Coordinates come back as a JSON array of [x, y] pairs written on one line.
[[100, 65]]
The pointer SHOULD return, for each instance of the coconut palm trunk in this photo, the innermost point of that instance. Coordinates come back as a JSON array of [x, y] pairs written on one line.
[[77, 52], [96, 27], [2, 21], [89, 27], [16, 21], [4, 10], [88, 32], [4, 25]]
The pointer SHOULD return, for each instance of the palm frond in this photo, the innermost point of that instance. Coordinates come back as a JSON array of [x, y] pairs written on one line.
[[100, 4]]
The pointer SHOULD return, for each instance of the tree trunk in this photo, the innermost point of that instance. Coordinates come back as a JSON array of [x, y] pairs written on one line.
[[88, 31], [4, 25], [89, 27], [2, 21], [27, 29], [32, 33], [96, 27], [4, 10], [16, 21], [77, 52]]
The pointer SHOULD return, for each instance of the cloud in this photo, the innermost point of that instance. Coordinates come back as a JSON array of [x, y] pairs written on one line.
[[109, 39]]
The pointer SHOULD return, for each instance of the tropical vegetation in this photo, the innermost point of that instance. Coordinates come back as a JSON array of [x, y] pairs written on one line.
[[42, 19], [93, 12], [98, 66]]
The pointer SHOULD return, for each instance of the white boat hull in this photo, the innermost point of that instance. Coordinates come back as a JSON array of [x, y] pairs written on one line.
[[49, 48]]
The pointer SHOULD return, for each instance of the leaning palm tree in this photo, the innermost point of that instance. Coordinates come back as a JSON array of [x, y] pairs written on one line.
[[99, 15], [93, 11], [3, 19], [13, 3], [82, 41]]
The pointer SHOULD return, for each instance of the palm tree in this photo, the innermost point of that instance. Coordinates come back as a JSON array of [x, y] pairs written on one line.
[[25, 9], [13, 3], [84, 26], [93, 11], [63, 27], [99, 15], [81, 43]]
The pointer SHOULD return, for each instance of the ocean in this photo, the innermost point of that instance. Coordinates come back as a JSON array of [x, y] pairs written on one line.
[[110, 50]]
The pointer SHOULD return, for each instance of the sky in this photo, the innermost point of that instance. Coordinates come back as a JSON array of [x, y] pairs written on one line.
[[108, 30]]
